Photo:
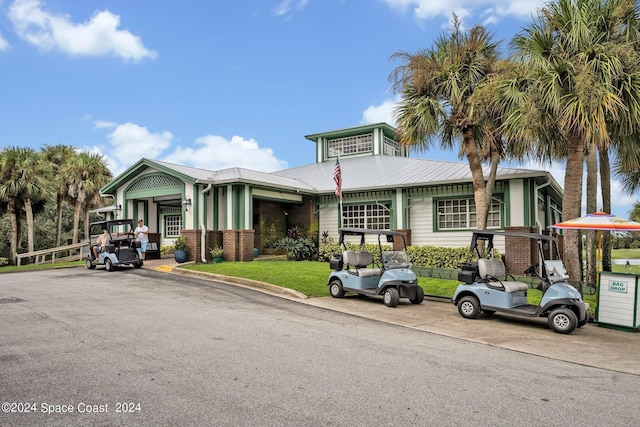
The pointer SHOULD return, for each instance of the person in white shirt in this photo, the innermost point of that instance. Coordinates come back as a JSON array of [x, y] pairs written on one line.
[[142, 235]]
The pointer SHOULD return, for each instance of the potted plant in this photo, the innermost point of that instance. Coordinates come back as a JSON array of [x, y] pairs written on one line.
[[180, 253], [216, 253]]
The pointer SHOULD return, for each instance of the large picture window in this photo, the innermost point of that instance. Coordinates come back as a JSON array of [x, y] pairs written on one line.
[[460, 214], [374, 216]]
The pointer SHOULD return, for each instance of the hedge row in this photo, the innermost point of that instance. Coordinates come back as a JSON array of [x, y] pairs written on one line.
[[426, 256]]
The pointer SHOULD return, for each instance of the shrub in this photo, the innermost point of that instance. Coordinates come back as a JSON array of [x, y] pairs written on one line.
[[424, 256], [4, 261], [180, 243], [297, 249], [216, 251]]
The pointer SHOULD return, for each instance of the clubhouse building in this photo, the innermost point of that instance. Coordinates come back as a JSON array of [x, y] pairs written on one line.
[[430, 201]]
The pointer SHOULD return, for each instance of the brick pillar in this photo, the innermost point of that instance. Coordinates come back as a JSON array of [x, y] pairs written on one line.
[[193, 244], [520, 252], [397, 243], [238, 245]]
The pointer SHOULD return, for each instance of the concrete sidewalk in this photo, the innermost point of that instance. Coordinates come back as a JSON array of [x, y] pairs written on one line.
[[590, 346]]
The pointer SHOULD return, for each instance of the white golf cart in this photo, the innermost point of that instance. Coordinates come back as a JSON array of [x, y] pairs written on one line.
[[122, 248], [489, 289], [356, 272]]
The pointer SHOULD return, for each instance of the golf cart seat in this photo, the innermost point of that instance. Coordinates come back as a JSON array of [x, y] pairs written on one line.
[[359, 261], [490, 269]]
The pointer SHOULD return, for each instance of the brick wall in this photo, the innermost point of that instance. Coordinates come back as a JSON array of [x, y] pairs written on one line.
[[238, 245], [397, 242], [520, 252]]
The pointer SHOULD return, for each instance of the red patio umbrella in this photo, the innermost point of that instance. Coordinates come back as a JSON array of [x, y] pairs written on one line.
[[599, 221]]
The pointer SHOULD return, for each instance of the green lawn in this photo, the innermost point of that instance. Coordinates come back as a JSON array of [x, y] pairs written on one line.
[[310, 278], [625, 253], [29, 267]]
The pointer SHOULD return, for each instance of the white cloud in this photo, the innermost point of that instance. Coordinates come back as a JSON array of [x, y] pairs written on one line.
[[285, 7], [130, 142], [97, 37], [101, 124], [380, 113], [491, 10], [216, 152], [4, 44]]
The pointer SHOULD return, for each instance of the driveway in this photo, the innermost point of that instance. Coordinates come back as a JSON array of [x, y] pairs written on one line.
[[140, 347]]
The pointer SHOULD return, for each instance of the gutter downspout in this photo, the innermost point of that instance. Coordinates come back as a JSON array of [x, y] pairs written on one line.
[[203, 256]]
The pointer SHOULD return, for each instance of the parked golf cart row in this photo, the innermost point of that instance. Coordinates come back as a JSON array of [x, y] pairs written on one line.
[[487, 287]]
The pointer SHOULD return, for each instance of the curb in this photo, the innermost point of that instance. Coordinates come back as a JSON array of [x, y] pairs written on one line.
[[274, 289]]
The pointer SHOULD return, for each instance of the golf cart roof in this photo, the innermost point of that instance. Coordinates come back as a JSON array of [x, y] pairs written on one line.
[[489, 235], [362, 231], [112, 223]]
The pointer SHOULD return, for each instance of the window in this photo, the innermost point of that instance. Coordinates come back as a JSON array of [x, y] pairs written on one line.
[[173, 224], [460, 214], [350, 145], [391, 148], [375, 216]]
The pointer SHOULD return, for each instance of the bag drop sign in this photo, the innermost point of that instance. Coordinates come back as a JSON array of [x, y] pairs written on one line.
[[617, 286]]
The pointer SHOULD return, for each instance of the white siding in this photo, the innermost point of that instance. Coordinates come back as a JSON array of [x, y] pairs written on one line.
[[516, 194], [421, 225], [328, 221]]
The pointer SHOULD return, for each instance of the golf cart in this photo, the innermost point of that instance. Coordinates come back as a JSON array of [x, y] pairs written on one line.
[[122, 248], [488, 289], [393, 279]]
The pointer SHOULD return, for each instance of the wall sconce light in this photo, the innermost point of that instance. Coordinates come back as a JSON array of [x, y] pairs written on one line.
[[187, 204], [119, 208]]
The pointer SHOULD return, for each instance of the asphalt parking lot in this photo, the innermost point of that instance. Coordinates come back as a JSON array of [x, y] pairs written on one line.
[[141, 347], [590, 346]]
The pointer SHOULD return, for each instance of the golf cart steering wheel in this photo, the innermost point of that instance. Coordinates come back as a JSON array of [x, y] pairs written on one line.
[[532, 269]]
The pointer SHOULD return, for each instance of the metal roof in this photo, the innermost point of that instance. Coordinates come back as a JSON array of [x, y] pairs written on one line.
[[359, 173], [366, 172]]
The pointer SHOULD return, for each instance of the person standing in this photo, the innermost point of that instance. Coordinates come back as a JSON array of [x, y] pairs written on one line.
[[142, 236]]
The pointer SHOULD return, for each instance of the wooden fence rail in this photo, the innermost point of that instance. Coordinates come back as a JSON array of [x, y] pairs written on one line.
[[41, 255]]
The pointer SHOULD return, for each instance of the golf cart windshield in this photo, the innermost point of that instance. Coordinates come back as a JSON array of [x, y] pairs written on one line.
[[395, 259]]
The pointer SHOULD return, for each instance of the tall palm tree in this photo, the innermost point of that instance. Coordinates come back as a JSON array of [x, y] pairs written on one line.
[[10, 191], [86, 173], [437, 86], [33, 174], [58, 155], [583, 74]]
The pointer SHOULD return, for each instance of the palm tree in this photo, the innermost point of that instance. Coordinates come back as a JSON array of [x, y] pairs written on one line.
[[10, 190], [437, 86], [58, 156], [86, 173], [33, 174], [584, 76]]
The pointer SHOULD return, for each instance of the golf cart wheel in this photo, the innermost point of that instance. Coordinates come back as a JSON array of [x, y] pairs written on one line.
[[419, 296], [563, 320], [90, 265], [108, 265], [469, 307], [335, 288], [137, 265], [391, 297]]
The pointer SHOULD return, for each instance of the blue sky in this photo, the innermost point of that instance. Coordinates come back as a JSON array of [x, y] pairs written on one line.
[[217, 83]]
